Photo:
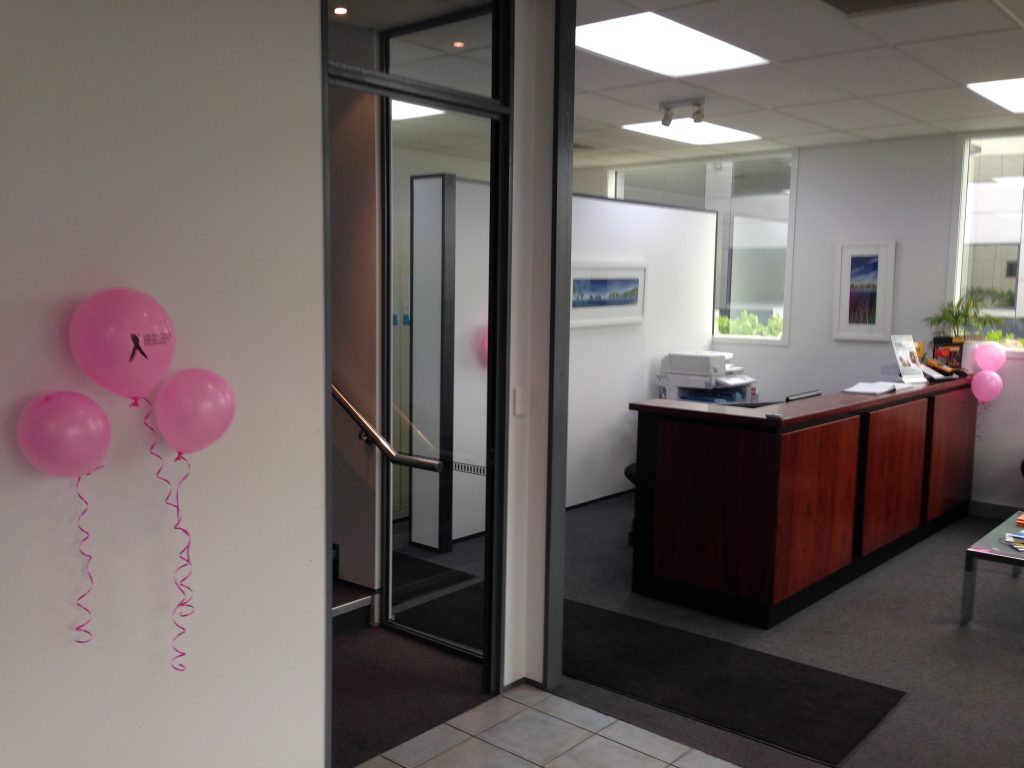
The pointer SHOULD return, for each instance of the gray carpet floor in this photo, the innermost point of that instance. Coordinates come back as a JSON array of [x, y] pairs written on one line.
[[897, 626]]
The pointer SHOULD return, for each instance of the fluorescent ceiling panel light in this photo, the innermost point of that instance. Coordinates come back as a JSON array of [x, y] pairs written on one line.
[[403, 110], [689, 132], [654, 43], [1010, 181], [1008, 94]]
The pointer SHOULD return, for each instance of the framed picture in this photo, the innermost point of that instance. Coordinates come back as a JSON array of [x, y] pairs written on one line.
[[863, 288], [605, 294]]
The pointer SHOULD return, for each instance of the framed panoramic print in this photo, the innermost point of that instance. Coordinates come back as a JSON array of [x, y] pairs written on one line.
[[607, 295], [863, 288]]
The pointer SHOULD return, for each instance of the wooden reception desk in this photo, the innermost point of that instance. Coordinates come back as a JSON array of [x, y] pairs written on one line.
[[754, 513]]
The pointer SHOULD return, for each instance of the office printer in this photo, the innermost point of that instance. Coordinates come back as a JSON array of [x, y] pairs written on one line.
[[703, 375]]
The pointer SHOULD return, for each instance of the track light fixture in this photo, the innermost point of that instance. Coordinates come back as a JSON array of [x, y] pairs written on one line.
[[668, 111]]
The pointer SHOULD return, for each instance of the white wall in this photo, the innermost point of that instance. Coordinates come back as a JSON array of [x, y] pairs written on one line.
[[610, 366], [529, 342], [175, 148], [904, 190]]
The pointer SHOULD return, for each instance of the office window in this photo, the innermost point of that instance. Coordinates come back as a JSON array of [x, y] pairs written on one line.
[[752, 264], [992, 225]]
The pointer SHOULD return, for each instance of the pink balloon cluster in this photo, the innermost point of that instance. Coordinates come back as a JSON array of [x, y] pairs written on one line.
[[124, 341], [987, 384]]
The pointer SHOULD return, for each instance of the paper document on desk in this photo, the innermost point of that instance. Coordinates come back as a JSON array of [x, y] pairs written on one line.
[[876, 387]]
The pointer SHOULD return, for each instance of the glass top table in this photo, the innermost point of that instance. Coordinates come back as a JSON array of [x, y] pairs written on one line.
[[989, 547]]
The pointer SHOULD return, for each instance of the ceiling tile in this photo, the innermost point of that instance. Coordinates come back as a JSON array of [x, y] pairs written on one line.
[[981, 123], [1016, 9], [592, 159], [973, 58], [940, 104], [779, 30], [594, 73], [898, 131], [770, 124], [928, 22], [768, 86], [871, 72], [589, 11], [848, 115], [819, 139], [581, 124], [650, 95], [611, 112]]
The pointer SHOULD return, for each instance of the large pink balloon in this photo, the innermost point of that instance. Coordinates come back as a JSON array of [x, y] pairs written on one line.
[[986, 386], [989, 356], [123, 340], [64, 434], [193, 409]]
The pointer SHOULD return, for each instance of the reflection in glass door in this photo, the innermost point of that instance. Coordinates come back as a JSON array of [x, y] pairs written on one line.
[[439, 273]]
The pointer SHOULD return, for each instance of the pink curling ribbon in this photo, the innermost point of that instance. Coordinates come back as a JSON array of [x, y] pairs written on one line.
[[86, 635], [184, 608]]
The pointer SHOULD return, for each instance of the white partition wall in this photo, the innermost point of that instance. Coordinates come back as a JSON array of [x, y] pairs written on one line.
[[611, 365], [448, 404]]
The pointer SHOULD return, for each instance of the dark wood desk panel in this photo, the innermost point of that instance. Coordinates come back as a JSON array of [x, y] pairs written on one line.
[[817, 502], [715, 482], [894, 472], [710, 487], [950, 473]]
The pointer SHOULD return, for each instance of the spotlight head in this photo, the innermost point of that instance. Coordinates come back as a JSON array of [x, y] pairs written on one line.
[[666, 118], [698, 112]]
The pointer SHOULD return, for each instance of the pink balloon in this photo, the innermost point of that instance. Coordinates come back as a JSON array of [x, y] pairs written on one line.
[[989, 356], [193, 409], [986, 386], [64, 434], [123, 340]]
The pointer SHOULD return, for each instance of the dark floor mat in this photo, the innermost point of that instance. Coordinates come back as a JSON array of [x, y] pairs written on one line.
[[805, 710]]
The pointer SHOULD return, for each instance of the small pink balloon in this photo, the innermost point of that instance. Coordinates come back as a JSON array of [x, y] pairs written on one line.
[[986, 386], [65, 434], [989, 356], [194, 408], [123, 340]]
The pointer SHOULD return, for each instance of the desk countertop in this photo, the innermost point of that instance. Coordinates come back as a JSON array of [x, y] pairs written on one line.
[[797, 413]]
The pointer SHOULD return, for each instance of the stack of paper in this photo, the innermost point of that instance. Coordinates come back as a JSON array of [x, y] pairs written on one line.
[[876, 387]]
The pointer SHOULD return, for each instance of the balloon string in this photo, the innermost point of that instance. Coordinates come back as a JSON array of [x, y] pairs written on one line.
[[184, 607], [86, 635], [183, 572]]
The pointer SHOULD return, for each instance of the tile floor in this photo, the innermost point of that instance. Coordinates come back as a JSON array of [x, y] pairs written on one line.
[[526, 727]]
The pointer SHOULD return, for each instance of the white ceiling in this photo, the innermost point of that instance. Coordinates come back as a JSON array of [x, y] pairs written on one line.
[[831, 78]]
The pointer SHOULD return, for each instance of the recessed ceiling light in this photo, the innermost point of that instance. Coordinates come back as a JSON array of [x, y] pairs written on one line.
[[654, 43], [458, 44], [340, 11], [689, 132], [403, 110], [1008, 94]]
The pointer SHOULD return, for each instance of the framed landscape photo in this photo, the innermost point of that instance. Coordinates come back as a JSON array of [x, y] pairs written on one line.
[[863, 291], [607, 295]]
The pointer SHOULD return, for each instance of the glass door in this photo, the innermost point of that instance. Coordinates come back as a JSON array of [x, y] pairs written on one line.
[[440, 244]]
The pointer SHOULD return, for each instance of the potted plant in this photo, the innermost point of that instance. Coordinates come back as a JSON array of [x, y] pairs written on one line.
[[958, 318]]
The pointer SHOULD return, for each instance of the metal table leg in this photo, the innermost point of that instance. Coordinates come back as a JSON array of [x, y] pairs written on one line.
[[967, 601]]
